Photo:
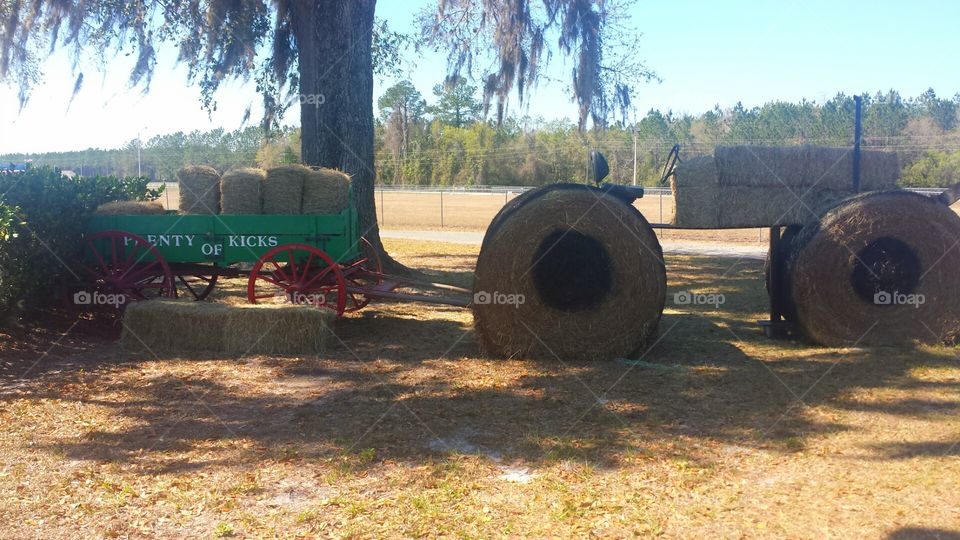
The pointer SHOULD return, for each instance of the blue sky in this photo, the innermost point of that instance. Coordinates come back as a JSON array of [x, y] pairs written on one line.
[[707, 53]]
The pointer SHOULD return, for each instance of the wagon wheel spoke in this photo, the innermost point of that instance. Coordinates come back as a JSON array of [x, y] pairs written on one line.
[[141, 273], [292, 266], [96, 252], [320, 274], [279, 270]]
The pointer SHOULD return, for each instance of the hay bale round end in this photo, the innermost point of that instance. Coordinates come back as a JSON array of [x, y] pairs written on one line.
[[283, 189], [571, 273], [878, 269], [241, 191], [199, 190], [326, 191]]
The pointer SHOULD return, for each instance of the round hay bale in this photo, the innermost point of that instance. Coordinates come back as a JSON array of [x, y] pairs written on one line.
[[568, 272], [129, 208], [326, 191], [241, 191], [199, 190], [283, 189], [878, 269]]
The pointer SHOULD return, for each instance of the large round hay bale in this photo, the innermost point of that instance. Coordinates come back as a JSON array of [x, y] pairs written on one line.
[[326, 191], [566, 271], [241, 191], [199, 190], [129, 208], [283, 189], [878, 269]]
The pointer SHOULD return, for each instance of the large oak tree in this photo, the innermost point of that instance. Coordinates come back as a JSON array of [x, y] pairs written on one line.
[[323, 52]]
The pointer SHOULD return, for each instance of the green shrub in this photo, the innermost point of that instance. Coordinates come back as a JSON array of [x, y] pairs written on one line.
[[934, 169], [42, 216]]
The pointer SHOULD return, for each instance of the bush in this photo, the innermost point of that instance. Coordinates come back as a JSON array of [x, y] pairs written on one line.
[[934, 169], [42, 217]]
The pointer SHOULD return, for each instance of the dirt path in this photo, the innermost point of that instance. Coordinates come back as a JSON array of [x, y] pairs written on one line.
[[673, 247]]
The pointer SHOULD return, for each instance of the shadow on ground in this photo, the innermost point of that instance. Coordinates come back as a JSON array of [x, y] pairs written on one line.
[[415, 389]]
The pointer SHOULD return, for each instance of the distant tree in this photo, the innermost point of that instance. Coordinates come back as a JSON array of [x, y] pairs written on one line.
[[401, 108], [942, 111], [456, 104]]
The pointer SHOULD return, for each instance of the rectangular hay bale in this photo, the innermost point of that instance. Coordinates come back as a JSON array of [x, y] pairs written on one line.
[[696, 191], [173, 325], [241, 191], [129, 208], [277, 329], [325, 191], [283, 189], [793, 166]]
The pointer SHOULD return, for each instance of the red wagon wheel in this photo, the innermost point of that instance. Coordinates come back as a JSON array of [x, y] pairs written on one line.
[[300, 274], [368, 274], [119, 262]]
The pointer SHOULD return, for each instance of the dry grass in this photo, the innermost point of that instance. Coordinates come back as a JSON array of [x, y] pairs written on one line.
[[404, 431]]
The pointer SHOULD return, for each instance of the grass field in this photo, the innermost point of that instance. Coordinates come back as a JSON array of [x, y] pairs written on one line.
[[405, 430]]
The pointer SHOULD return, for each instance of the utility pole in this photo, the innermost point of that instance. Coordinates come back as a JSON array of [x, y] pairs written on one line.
[[634, 153]]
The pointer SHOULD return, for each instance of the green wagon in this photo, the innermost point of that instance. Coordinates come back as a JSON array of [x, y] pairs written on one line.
[[303, 259]]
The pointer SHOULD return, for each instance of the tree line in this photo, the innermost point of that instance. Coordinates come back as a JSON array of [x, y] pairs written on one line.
[[450, 143]]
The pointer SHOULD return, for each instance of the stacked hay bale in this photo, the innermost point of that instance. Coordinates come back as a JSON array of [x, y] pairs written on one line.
[[759, 186], [199, 190], [129, 208], [566, 271], [283, 189], [696, 190], [241, 191], [325, 191], [186, 326], [877, 269]]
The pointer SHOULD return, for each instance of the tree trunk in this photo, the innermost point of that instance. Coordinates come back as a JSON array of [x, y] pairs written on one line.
[[334, 40]]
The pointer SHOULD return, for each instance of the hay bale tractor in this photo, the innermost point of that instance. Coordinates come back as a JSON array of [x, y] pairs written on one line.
[[317, 258], [852, 259]]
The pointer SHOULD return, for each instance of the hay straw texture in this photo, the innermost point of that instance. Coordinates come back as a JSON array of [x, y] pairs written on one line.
[[174, 326], [283, 189], [163, 326], [589, 269], [696, 192], [869, 244], [241, 191], [129, 208], [793, 166], [199, 190], [277, 329], [758, 206], [326, 191]]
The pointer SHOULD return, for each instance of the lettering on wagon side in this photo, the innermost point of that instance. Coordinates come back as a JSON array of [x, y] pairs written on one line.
[[167, 240], [252, 241]]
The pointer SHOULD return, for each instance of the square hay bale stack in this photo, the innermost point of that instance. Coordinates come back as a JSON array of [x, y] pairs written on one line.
[[174, 326], [129, 208], [283, 189], [283, 329], [696, 192], [760, 206], [326, 191], [199, 190], [241, 191]]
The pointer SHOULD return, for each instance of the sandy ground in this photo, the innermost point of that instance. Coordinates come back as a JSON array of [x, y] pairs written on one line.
[[404, 429]]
